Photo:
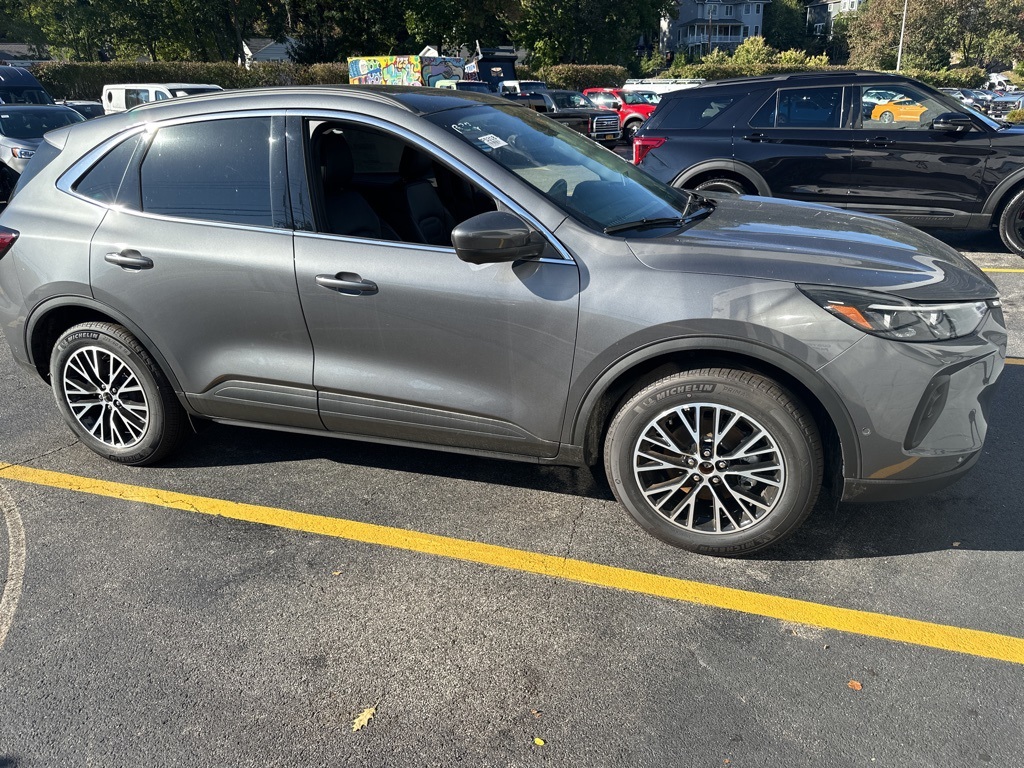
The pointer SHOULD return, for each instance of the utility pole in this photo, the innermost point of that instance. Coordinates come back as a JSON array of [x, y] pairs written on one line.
[[903, 30]]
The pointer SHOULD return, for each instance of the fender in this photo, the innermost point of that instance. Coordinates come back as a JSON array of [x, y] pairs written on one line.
[[84, 302], [824, 393], [1002, 190], [724, 164]]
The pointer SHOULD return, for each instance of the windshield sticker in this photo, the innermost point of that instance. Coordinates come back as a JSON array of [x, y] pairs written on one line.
[[492, 141]]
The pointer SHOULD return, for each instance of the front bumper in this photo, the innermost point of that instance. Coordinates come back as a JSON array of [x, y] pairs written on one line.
[[921, 413]]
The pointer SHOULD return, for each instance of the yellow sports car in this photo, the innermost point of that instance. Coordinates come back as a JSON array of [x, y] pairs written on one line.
[[900, 110]]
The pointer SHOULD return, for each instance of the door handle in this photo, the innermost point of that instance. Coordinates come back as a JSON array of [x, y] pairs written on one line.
[[879, 141], [347, 283], [755, 137], [129, 260]]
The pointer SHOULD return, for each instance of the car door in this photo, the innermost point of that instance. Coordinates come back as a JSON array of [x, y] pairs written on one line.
[[197, 251], [412, 344], [904, 168], [800, 142]]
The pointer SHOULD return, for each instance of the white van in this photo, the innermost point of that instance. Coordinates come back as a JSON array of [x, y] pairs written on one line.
[[118, 98], [662, 84]]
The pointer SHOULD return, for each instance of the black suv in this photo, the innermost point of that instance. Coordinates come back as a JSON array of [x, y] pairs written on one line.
[[576, 111], [866, 141]]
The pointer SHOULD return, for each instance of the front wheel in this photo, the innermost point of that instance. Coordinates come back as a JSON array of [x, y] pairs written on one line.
[[629, 130], [114, 396], [717, 461], [1011, 224], [886, 117]]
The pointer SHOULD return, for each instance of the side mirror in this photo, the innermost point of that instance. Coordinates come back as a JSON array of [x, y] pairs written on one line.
[[494, 237], [952, 122]]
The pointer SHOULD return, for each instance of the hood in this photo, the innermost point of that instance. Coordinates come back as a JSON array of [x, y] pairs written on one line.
[[772, 239]]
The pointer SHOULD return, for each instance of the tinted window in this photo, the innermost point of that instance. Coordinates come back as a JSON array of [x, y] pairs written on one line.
[[801, 108], [104, 181], [902, 107], [697, 110], [24, 94], [218, 170], [135, 96]]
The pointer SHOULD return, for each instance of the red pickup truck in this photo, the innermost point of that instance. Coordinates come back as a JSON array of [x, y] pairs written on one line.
[[633, 106]]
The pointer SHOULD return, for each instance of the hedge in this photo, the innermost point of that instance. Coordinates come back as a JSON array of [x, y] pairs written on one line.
[[86, 80], [576, 77]]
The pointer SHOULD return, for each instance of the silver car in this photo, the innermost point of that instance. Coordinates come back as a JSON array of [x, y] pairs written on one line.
[[21, 131], [449, 270]]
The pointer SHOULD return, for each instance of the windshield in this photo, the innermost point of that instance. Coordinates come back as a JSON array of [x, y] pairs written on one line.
[[476, 87], [33, 123], [593, 185]]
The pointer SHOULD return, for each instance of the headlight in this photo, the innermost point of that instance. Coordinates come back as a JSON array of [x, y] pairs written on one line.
[[22, 153], [891, 317]]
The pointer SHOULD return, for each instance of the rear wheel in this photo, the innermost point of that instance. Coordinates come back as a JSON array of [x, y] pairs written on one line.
[[717, 461], [629, 130], [113, 395], [721, 184], [886, 117], [1011, 224]]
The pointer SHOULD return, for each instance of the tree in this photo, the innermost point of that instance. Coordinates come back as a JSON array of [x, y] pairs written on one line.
[[785, 25], [587, 31], [875, 35]]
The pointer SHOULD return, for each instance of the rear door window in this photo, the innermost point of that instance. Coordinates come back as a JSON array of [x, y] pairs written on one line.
[[230, 170], [801, 108], [695, 111]]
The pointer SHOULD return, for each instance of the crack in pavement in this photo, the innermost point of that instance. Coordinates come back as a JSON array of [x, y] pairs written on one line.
[[15, 563]]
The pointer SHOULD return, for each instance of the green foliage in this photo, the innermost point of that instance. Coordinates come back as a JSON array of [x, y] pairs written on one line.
[[753, 57], [85, 80], [586, 31], [1015, 116], [967, 77], [576, 77], [785, 24]]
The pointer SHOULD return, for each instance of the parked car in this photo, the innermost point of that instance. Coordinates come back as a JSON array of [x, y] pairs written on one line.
[[21, 131], [87, 109], [477, 86], [19, 86], [575, 110], [825, 138], [1001, 106], [963, 95], [120, 97], [661, 85], [521, 86], [437, 269], [632, 107]]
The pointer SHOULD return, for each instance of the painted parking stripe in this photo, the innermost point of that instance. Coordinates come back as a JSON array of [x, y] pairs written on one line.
[[1002, 270], [895, 628], [1014, 361]]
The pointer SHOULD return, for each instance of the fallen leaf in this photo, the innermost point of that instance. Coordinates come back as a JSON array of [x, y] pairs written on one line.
[[364, 717], [538, 741], [536, 713], [854, 685], [956, 543], [335, 573]]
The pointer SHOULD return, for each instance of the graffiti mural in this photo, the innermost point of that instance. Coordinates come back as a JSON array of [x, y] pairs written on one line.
[[404, 70]]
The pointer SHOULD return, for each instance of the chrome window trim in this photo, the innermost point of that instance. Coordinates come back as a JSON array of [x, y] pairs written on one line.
[[465, 170], [78, 169]]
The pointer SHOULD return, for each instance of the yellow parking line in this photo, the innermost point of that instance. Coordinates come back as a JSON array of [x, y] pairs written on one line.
[[895, 628], [1002, 270], [1014, 361]]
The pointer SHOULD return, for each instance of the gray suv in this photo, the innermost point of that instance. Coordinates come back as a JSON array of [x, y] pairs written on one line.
[[451, 270]]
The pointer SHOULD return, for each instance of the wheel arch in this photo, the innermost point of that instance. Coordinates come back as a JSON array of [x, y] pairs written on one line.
[[999, 197], [734, 169], [50, 319], [631, 374]]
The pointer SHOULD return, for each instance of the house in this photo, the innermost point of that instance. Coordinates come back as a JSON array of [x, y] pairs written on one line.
[[701, 26], [821, 14]]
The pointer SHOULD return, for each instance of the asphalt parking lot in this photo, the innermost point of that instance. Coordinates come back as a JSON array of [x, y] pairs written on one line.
[[256, 599]]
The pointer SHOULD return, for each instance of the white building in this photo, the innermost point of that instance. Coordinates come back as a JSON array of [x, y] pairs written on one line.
[[701, 26], [821, 14]]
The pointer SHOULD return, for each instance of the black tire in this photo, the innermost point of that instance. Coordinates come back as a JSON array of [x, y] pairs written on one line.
[[629, 130], [886, 117], [1011, 224], [749, 487], [720, 185], [113, 395]]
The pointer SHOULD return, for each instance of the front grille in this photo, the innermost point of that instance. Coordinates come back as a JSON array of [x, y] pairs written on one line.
[[609, 124]]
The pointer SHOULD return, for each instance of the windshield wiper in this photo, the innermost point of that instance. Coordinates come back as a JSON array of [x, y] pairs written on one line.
[[667, 221]]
